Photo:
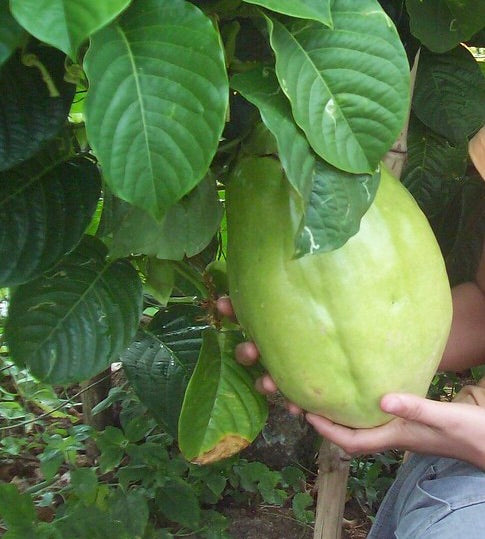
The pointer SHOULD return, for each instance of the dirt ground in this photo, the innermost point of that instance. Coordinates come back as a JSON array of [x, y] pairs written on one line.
[[275, 523]]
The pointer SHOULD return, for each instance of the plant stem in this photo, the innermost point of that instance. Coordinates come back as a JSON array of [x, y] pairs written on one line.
[[189, 300], [34, 489]]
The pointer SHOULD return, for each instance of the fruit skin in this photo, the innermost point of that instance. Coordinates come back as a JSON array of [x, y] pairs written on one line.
[[337, 330]]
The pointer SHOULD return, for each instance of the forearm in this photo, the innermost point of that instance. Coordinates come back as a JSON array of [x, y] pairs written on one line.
[[466, 344]]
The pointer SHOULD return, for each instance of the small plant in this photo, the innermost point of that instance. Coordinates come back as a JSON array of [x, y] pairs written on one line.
[[370, 477], [139, 486]]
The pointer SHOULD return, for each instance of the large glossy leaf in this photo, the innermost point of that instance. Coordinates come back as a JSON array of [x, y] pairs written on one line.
[[318, 10], [456, 210], [260, 87], [157, 101], [32, 110], [221, 413], [348, 86], [337, 203], [63, 23], [332, 201], [161, 360], [449, 95], [461, 231], [442, 24], [45, 206], [11, 33], [69, 324], [433, 164], [186, 229]]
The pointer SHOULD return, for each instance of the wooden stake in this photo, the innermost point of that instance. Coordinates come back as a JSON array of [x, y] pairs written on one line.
[[333, 471], [395, 158]]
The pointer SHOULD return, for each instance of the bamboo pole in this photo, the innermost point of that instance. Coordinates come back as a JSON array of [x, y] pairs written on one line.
[[333, 462]]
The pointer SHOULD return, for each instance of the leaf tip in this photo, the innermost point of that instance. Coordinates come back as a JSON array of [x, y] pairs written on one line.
[[227, 446]]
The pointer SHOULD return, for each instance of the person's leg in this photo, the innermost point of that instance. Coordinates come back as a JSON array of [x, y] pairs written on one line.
[[431, 496]]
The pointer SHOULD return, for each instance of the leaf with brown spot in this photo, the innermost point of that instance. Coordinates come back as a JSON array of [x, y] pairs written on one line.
[[222, 413]]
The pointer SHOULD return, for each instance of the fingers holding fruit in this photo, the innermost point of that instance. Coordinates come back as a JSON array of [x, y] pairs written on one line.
[[224, 306], [247, 354]]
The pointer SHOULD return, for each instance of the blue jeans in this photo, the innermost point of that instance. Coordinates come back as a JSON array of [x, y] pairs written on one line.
[[433, 497]]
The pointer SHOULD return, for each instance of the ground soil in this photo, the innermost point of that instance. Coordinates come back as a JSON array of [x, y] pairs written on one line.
[[266, 522]]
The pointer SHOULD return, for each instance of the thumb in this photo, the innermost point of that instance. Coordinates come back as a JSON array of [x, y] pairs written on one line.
[[414, 408]]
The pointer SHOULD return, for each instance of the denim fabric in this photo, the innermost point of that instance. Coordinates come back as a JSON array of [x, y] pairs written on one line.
[[433, 497]]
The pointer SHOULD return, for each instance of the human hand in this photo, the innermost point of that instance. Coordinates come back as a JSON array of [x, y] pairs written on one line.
[[421, 425], [247, 354], [448, 429]]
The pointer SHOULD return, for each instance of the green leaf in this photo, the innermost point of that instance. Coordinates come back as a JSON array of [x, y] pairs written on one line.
[[215, 525], [157, 101], [186, 229], [12, 410], [317, 10], [300, 503], [449, 95], [131, 509], [11, 445], [85, 484], [442, 25], [115, 394], [260, 87], [333, 201], [50, 462], [460, 230], [222, 412], [17, 510], [250, 473], [71, 322], [432, 165], [63, 23], [137, 428], [45, 206], [34, 103], [11, 34], [16, 507], [293, 477], [90, 523], [178, 502], [111, 442], [348, 86], [267, 484], [161, 360], [337, 204], [159, 279]]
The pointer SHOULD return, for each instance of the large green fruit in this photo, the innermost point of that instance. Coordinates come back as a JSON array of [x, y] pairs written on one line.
[[337, 330]]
